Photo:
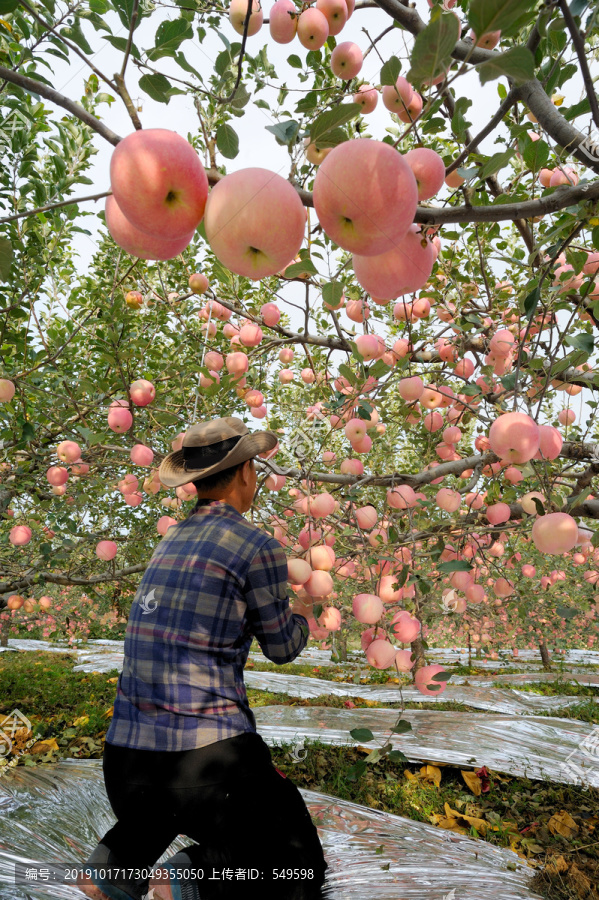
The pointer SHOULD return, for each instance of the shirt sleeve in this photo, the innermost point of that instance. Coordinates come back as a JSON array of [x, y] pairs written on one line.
[[282, 635]]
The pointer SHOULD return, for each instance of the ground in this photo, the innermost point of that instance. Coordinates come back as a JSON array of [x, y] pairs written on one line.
[[554, 827]]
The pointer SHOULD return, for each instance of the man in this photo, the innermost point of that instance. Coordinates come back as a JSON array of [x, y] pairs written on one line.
[[182, 755]]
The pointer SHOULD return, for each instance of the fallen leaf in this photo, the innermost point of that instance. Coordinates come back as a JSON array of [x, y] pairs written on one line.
[[562, 823], [82, 720], [44, 746], [473, 782]]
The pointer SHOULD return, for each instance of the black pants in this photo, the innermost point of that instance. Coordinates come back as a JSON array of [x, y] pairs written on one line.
[[229, 798]]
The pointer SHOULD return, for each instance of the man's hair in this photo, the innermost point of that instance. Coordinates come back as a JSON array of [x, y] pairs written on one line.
[[219, 480]]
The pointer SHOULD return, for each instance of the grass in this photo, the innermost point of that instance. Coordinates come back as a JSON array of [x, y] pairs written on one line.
[[556, 688], [70, 714]]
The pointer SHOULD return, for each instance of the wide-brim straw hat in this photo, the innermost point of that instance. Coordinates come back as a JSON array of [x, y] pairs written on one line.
[[210, 447]]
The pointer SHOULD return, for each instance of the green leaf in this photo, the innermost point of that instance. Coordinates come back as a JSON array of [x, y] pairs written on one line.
[[441, 676], [536, 155], [334, 118], [332, 293], [124, 9], [8, 6], [390, 71], [517, 64], [455, 565], [507, 16], [284, 132], [459, 125], [227, 141], [121, 44], [401, 727], [241, 97], [304, 267], [75, 34], [397, 756], [158, 87], [497, 162], [531, 303], [332, 138], [295, 62], [6, 257], [583, 341], [169, 36], [577, 7], [431, 54], [181, 59], [362, 734]]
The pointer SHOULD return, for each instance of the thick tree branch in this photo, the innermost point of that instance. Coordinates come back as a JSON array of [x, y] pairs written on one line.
[[578, 42], [37, 87], [7, 587]]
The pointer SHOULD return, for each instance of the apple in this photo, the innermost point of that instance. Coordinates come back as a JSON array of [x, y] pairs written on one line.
[[283, 21], [365, 196], [314, 153], [312, 29], [237, 16], [254, 222], [68, 451], [398, 96], [7, 390], [142, 392], [428, 169], [198, 283], [335, 12], [159, 183], [367, 96], [403, 269], [346, 60], [138, 243], [134, 299]]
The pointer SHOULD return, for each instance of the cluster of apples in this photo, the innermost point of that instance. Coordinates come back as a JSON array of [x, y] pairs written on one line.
[[365, 196]]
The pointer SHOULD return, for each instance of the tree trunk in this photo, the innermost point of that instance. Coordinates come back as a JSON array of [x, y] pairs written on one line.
[[469, 650], [479, 653], [339, 647], [545, 656], [419, 660]]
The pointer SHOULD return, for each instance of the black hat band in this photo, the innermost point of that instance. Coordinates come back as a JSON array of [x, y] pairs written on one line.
[[204, 457]]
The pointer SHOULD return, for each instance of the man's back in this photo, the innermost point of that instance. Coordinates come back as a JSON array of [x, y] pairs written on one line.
[[214, 582]]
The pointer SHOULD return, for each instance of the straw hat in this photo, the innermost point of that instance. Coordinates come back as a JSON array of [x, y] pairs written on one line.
[[210, 447]]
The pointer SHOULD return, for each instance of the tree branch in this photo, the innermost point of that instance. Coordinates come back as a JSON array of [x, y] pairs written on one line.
[[50, 206], [37, 87], [578, 42]]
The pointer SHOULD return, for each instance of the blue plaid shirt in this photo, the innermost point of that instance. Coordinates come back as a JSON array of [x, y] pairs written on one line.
[[213, 583]]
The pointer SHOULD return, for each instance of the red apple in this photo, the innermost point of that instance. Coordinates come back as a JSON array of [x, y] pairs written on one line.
[[365, 196], [159, 183], [254, 222]]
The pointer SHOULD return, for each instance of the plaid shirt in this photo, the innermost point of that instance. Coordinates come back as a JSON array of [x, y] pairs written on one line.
[[214, 582]]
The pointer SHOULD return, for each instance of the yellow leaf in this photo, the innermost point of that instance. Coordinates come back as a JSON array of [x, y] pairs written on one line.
[[473, 782], [557, 99], [431, 774], [562, 823], [7, 26], [45, 746], [82, 720], [109, 712], [410, 775], [112, 680]]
